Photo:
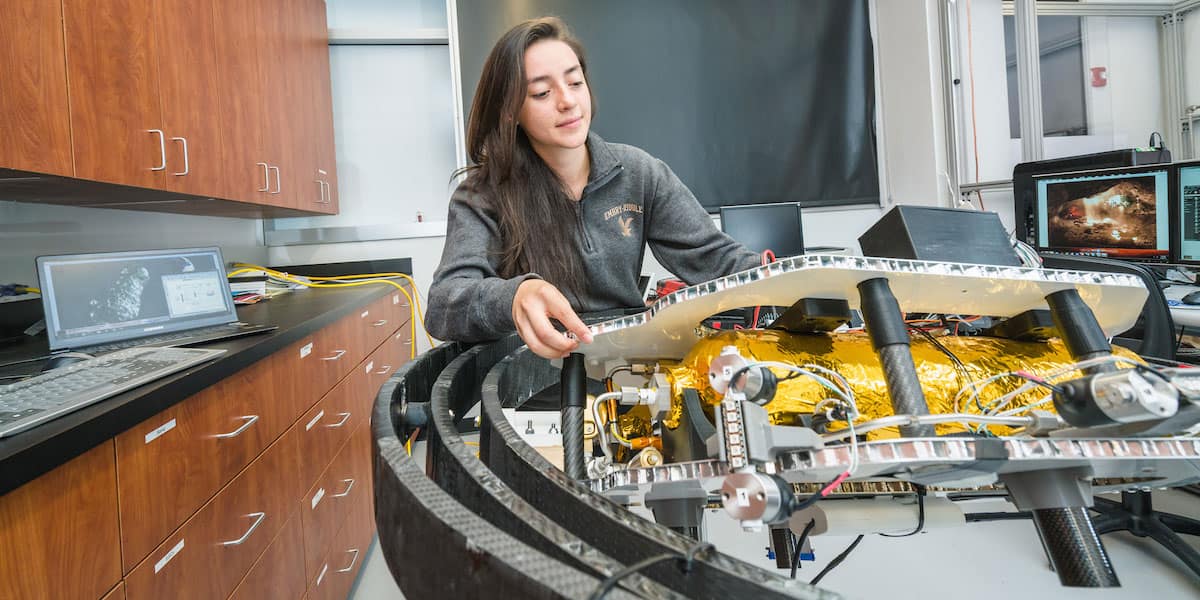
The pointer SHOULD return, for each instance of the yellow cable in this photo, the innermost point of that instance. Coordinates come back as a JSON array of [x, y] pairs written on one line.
[[286, 277], [414, 301], [32, 290]]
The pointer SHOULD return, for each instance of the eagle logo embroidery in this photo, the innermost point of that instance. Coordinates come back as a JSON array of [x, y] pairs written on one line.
[[626, 226]]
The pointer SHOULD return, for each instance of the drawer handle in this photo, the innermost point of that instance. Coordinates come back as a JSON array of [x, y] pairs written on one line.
[[336, 355], [345, 417], [250, 420], [266, 177], [348, 488], [258, 519], [186, 168], [353, 560], [162, 149], [384, 370], [379, 323]]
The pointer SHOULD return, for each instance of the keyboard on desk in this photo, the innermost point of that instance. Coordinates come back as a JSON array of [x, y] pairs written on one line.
[[52, 394]]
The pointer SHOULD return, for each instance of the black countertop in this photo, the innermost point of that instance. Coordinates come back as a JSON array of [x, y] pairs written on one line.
[[26, 455]]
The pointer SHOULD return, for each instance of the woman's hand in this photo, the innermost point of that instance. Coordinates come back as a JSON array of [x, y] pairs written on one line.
[[535, 303]]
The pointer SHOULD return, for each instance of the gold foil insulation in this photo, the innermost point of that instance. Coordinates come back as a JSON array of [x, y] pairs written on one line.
[[851, 355]]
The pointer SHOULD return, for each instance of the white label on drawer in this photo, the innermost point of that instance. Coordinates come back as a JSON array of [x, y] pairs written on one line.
[[306, 349], [160, 430], [162, 562], [395, 298], [364, 315], [324, 569], [317, 497], [315, 420], [369, 367]]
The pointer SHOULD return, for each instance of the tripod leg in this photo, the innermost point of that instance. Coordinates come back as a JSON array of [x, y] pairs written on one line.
[[1175, 544], [1180, 524], [1105, 523]]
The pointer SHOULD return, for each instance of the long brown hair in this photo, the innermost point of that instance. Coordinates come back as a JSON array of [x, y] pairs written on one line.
[[538, 230]]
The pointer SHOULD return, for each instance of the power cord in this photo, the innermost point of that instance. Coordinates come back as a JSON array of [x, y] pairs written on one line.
[[920, 515], [836, 561], [799, 545], [687, 559]]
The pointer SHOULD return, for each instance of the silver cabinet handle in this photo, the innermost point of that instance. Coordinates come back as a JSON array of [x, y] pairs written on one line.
[[336, 355], [258, 519], [384, 370], [345, 417], [328, 192], [250, 420], [278, 187], [349, 487], [183, 141], [320, 191], [379, 323], [266, 176], [162, 150], [353, 561]]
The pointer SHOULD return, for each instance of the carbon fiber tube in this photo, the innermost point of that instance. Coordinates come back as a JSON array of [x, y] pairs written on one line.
[[889, 336], [573, 403], [1079, 329], [1073, 547]]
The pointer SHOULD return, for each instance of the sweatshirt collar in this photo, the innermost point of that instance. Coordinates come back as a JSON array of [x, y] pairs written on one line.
[[604, 161]]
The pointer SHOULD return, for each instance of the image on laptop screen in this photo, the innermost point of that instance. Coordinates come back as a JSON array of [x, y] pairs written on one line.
[[1116, 213], [99, 298]]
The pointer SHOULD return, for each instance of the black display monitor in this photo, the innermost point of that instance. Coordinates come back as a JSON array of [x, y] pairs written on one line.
[[1122, 213], [759, 227], [1185, 183]]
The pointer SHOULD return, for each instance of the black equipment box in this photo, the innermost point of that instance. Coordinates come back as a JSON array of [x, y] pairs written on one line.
[[940, 234]]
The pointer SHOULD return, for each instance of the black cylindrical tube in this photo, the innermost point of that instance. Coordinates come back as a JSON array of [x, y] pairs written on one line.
[[1073, 547], [573, 403], [1079, 329], [889, 337]]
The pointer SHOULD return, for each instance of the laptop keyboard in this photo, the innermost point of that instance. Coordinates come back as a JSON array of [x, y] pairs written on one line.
[[47, 396]]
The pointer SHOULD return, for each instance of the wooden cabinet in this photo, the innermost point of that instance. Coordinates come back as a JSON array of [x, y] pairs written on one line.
[[35, 121], [169, 465], [58, 533], [251, 488], [209, 555], [221, 99], [188, 84], [116, 121]]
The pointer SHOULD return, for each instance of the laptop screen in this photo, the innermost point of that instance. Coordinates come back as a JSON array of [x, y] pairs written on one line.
[[101, 298]]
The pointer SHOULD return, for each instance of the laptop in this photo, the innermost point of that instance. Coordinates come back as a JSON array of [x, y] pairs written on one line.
[[102, 302]]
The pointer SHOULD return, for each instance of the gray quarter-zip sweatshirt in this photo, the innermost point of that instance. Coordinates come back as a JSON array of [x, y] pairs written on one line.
[[632, 200]]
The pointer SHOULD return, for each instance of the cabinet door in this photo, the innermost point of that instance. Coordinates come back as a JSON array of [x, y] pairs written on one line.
[[113, 78], [241, 91], [187, 75], [275, 55], [35, 121], [58, 533], [323, 117]]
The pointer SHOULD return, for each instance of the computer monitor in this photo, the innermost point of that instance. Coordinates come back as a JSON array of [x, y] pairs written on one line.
[[1113, 213], [1187, 188], [759, 227]]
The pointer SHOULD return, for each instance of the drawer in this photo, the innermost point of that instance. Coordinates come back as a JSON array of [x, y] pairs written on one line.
[[170, 465], [319, 362], [117, 593], [327, 426], [207, 557], [380, 365], [58, 533], [327, 504], [376, 321], [349, 548], [279, 572]]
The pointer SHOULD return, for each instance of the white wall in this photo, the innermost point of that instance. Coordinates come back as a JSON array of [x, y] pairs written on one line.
[[31, 230]]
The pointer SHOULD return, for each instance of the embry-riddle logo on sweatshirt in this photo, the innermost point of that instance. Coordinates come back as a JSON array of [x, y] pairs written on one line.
[[626, 222]]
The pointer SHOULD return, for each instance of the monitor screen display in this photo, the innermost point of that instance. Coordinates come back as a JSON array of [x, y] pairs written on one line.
[[1123, 214], [1189, 214], [759, 227]]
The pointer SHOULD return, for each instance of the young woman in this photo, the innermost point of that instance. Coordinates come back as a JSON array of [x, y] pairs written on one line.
[[551, 220]]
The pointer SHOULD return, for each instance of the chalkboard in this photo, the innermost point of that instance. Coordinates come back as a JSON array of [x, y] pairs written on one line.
[[748, 101]]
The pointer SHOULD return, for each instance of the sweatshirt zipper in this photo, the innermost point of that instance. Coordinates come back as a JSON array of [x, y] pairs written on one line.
[[595, 185]]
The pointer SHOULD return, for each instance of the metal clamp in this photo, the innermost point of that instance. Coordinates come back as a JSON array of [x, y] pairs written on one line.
[[250, 420], [348, 488], [336, 355], [258, 516], [162, 149], [345, 417], [353, 561], [186, 168]]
